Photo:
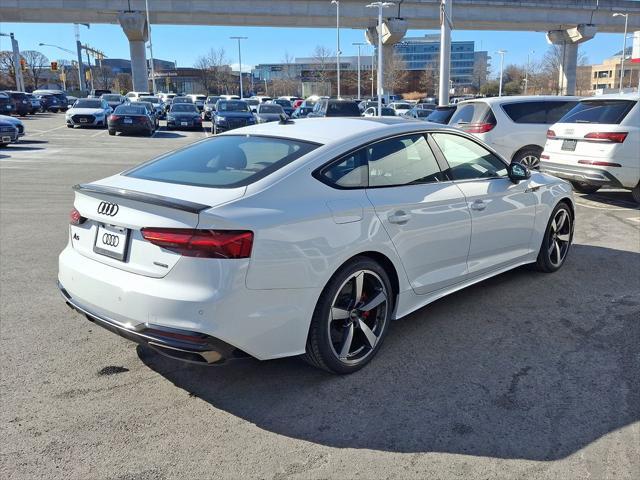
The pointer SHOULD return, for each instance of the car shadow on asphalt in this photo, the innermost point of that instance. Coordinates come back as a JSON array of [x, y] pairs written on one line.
[[31, 142], [167, 134], [525, 365], [614, 198], [21, 147]]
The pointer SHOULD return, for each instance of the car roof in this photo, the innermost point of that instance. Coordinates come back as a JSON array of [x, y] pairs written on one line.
[[329, 130], [519, 99], [615, 96]]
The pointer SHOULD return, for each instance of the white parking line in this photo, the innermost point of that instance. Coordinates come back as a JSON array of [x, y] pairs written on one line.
[[47, 131], [99, 133], [634, 219]]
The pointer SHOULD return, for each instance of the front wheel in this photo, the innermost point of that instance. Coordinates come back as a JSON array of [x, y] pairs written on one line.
[[557, 239], [583, 187], [112, 132], [635, 193], [529, 157], [351, 318]]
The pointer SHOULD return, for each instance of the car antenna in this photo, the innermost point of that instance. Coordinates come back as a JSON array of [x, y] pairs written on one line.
[[284, 120]]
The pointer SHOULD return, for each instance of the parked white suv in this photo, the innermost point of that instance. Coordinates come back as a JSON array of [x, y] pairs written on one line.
[[515, 127], [596, 144]]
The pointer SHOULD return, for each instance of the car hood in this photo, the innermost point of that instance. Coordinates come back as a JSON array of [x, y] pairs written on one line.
[[11, 120], [85, 111]]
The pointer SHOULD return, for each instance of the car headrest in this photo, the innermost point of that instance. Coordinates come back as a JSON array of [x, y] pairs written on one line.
[[233, 158]]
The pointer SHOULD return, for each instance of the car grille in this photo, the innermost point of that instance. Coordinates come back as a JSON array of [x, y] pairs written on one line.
[[6, 129], [78, 118], [236, 122]]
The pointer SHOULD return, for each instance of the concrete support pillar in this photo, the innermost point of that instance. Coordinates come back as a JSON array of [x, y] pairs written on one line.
[[393, 31], [445, 52], [569, 40], [135, 28]]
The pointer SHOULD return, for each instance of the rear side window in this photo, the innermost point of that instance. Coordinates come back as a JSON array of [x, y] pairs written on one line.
[[226, 161], [476, 112], [546, 112], [440, 115], [599, 111]]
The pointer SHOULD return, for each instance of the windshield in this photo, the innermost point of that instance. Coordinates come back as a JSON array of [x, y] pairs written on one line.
[[212, 99], [111, 98], [232, 106], [88, 104], [264, 108], [402, 106], [342, 109], [182, 100], [598, 111], [200, 97], [129, 110], [184, 107], [225, 161], [150, 99]]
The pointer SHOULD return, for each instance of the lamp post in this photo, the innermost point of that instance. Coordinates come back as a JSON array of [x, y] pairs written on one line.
[[17, 68], [153, 73], [501, 53], [240, 61], [359, 45], [380, 6], [624, 44], [337, 4], [526, 73]]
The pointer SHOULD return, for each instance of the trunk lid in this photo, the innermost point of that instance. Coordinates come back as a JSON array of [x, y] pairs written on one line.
[[117, 208]]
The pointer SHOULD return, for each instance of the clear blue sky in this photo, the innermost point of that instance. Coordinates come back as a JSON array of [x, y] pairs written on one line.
[[267, 45]]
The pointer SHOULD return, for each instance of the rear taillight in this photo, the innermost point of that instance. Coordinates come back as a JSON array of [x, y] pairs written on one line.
[[75, 218], [599, 163], [113, 118], [612, 137], [477, 127], [544, 157], [202, 243], [551, 134]]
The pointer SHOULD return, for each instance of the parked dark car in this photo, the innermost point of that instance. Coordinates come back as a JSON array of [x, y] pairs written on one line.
[[285, 104], [35, 103], [129, 118], [49, 103], [335, 108], [184, 115], [15, 122], [442, 114], [210, 106], [6, 105], [20, 102], [301, 112], [151, 111], [8, 133], [231, 114], [269, 112], [113, 99]]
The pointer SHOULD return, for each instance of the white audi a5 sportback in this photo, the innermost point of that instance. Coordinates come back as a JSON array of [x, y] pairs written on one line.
[[303, 237]]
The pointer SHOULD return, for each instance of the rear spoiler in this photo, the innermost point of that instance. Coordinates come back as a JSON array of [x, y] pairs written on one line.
[[151, 198]]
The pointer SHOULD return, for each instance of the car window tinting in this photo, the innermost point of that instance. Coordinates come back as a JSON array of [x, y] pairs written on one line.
[[350, 172], [476, 112], [266, 108], [468, 160], [184, 107], [402, 161], [111, 97], [599, 111], [343, 109], [232, 106], [88, 104], [129, 110], [526, 112], [225, 161], [441, 115]]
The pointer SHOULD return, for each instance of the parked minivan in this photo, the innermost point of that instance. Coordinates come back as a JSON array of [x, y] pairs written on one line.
[[516, 127]]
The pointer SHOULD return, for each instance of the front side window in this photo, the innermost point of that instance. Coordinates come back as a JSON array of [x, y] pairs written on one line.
[[227, 161], [468, 160], [402, 161]]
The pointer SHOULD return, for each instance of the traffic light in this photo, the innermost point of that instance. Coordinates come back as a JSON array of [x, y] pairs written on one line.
[[87, 75], [54, 66], [23, 65]]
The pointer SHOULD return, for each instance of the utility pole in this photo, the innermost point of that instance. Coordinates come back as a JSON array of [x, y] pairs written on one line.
[[153, 73], [359, 45], [445, 51], [337, 4], [380, 6], [624, 45], [240, 61], [526, 72], [17, 67], [501, 53]]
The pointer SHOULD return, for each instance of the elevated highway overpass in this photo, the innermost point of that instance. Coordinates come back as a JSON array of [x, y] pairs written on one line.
[[566, 22]]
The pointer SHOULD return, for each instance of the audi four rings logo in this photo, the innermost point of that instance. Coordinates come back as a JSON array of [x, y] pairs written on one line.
[[111, 240], [109, 209]]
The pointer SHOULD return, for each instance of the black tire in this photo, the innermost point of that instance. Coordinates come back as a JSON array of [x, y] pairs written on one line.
[[550, 259], [529, 157], [635, 193], [4, 145], [356, 327], [585, 187], [69, 126], [112, 132], [150, 132]]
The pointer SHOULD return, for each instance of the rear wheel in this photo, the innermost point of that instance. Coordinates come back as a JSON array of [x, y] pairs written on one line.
[[635, 193], [583, 187], [112, 132], [529, 157], [557, 239], [69, 126], [351, 318]]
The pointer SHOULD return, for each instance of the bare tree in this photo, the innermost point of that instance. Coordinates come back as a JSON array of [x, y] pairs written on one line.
[[37, 64], [396, 73], [104, 76], [211, 66], [430, 78], [322, 57], [7, 68], [552, 64]]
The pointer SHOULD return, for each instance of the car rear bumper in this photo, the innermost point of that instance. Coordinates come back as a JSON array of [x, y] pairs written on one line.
[[575, 173]]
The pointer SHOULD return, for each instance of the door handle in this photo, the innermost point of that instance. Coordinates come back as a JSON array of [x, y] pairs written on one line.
[[399, 216], [478, 205]]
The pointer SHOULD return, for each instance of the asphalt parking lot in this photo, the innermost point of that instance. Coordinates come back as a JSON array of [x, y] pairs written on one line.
[[526, 375]]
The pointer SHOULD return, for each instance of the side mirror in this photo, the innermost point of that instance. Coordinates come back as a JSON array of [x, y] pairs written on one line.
[[518, 172]]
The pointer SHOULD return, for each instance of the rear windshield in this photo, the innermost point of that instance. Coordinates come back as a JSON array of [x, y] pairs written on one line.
[[200, 97], [476, 112], [129, 110], [388, 112], [599, 111], [88, 104], [541, 112], [225, 161], [150, 99], [182, 100], [183, 108], [265, 108], [213, 99], [440, 115], [232, 106], [343, 109], [283, 103], [111, 98]]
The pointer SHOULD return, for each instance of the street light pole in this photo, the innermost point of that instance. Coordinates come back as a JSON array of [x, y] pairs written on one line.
[[624, 45], [153, 73], [501, 53], [240, 61], [337, 4], [526, 73], [359, 45], [380, 6]]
